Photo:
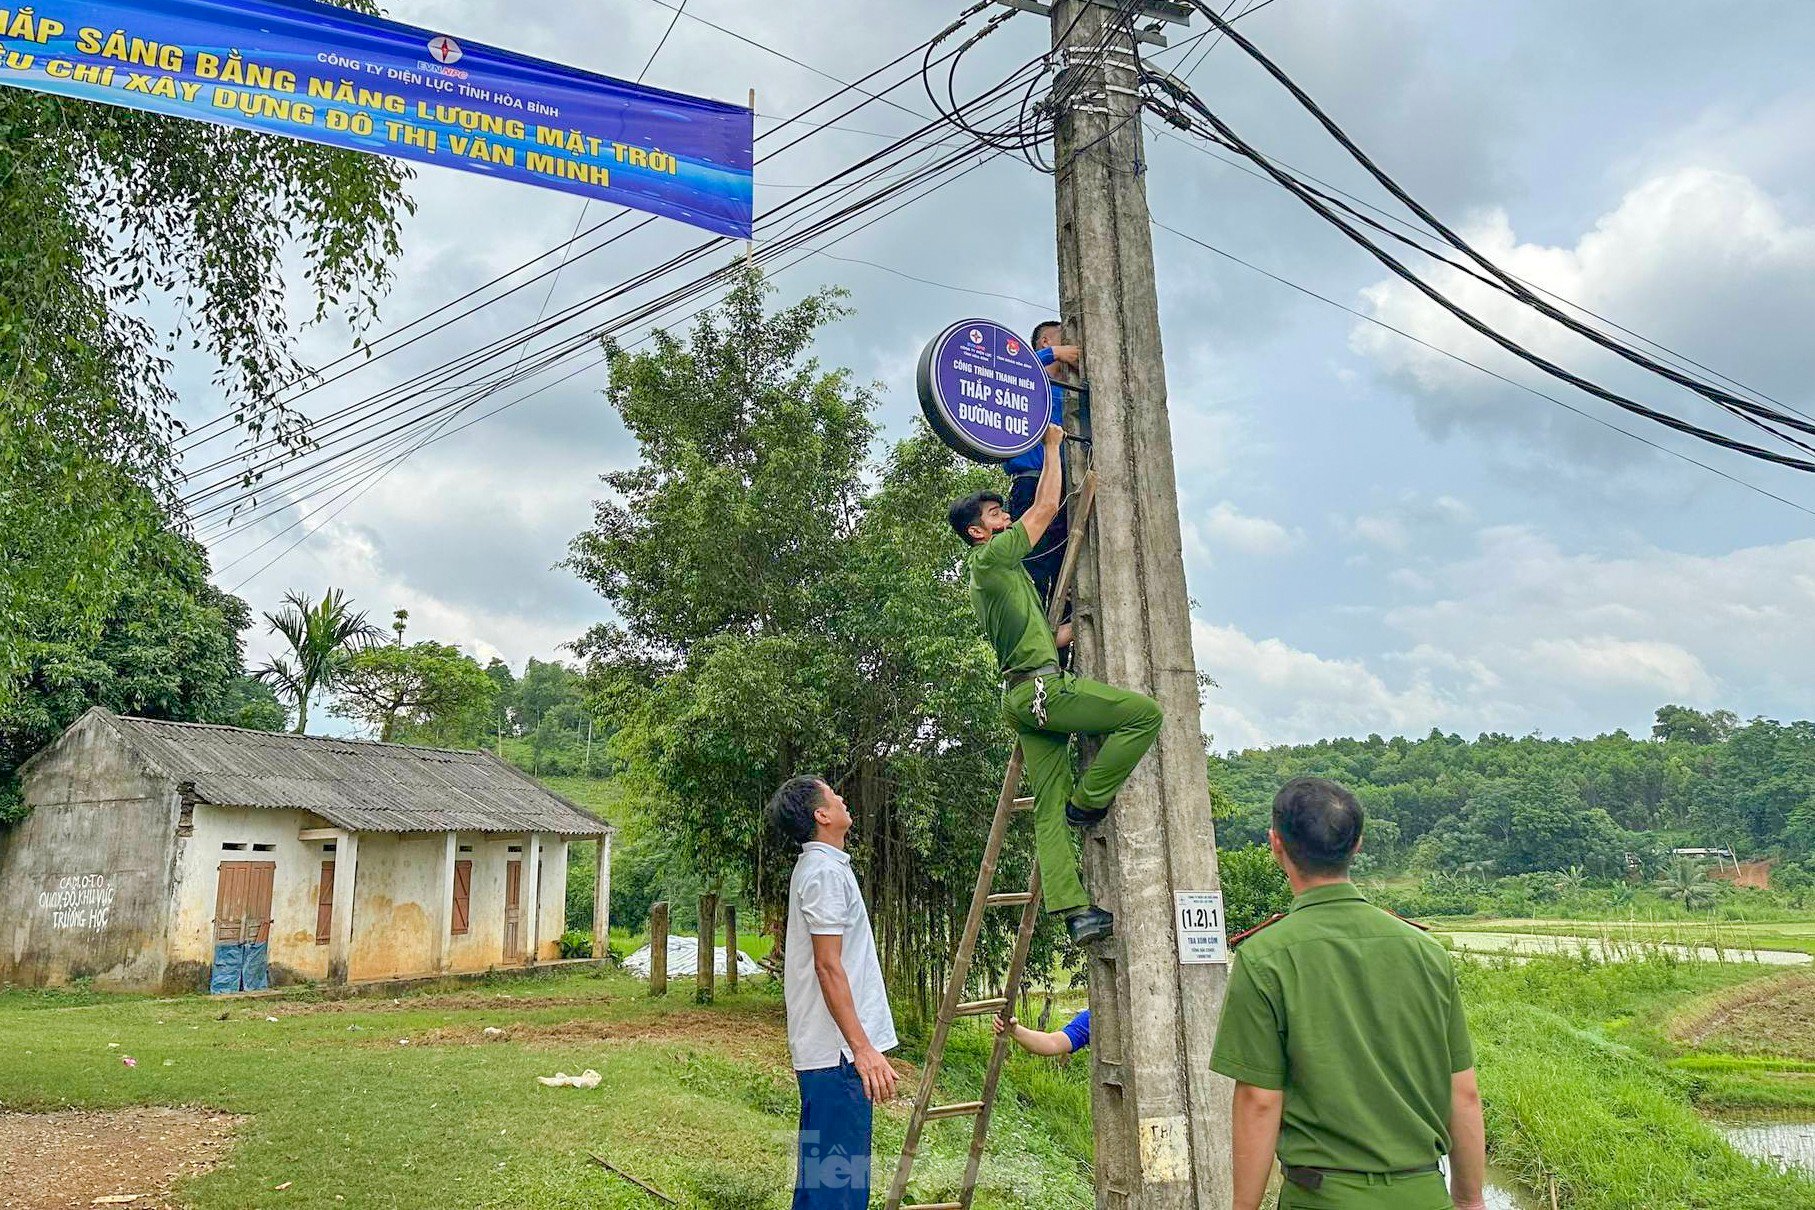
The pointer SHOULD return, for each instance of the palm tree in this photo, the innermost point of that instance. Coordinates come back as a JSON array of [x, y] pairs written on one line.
[[322, 637], [1684, 880]]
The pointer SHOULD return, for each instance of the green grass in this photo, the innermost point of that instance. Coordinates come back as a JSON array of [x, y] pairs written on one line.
[[698, 1101], [1581, 1080]]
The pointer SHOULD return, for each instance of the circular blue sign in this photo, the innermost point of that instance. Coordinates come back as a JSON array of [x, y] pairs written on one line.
[[983, 391]]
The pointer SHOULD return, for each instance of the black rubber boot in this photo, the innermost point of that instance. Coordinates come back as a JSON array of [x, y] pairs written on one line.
[[1089, 924], [1084, 817]]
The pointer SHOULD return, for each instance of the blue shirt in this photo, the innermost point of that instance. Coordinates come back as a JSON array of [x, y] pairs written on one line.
[[1034, 459], [1078, 1028]]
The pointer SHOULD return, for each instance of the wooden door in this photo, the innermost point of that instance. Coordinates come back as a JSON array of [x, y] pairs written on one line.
[[242, 901], [463, 898], [324, 905], [513, 910]]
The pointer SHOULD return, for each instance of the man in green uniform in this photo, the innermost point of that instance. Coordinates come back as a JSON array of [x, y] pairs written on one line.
[[1344, 1034], [1045, 704]]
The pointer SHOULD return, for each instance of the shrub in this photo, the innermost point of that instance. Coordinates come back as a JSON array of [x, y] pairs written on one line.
[[1254, 887]]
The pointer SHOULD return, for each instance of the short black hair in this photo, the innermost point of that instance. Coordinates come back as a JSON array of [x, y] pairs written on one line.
[[1319, 823], [969, 511], [1041, 327], [790, 810]]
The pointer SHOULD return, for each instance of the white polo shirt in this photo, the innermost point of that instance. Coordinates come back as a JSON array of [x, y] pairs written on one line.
[[824, 900]]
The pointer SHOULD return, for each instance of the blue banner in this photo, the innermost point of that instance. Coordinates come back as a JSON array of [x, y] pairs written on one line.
[[328, 75]]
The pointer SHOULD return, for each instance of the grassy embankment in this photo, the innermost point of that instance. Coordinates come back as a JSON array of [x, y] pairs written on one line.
[[697, 1101], [1598, 1074]]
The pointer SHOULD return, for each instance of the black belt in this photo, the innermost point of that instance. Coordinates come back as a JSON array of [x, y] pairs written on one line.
[[1312, 1178], [1011, 679]]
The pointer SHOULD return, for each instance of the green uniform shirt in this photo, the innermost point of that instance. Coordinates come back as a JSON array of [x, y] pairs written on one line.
[[1356, 1015], [1008, 604]]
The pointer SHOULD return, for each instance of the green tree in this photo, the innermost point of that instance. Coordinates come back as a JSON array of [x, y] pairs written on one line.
[[1254, 887], [1685, 882], [168, 647], [544, 686], [107, 210], [786, 606], [1693, 726], [426, 692], [249, 702], [504, 700], [323, 637]]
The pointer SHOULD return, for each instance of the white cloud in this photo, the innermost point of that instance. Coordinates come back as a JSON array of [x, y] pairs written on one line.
[[1650, 621], [1228, 527], [1377, 530], [1677, 259], [1273, 693], [1520, 635], [1656, 667]]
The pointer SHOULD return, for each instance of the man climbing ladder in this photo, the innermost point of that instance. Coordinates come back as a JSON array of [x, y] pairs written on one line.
[[1045, 704]]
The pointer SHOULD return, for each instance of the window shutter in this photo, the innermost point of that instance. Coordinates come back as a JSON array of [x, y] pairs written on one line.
[[463, 895], [324, 905]]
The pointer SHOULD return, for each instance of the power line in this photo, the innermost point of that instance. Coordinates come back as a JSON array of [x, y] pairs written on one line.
[[438, 436], [1735, 404], [394, 390], [849, 210], [367, 347], [1354, 205], [927, 281], [672, 22], [1474, 365]]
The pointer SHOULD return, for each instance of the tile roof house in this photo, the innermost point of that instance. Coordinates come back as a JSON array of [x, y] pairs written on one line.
[[182, 856]]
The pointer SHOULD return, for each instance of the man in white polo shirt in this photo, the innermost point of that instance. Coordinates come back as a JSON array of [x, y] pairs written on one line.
[[839, 1023]]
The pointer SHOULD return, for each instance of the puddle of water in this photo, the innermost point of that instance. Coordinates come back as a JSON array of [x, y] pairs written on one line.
[[1501, 1191], [1501, 1194], [1614, 950], [1789, 1145]]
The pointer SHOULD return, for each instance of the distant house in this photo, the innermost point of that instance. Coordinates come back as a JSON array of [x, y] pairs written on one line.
[[183, 857]]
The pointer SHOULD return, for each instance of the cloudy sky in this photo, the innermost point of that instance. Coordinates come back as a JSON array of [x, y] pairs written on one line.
[[1379, 538]]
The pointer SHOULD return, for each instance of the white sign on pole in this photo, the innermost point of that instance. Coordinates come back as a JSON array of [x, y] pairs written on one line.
[[1201, 935]]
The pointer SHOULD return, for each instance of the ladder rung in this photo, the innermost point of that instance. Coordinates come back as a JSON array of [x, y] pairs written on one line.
[[978, 1008], [959, 1110], [1009, 899], [1024, 804]]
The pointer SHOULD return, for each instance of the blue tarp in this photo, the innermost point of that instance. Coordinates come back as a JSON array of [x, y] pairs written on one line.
[[240, 967]]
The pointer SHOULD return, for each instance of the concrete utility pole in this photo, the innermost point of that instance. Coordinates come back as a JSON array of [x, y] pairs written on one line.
[[1162, 1117]]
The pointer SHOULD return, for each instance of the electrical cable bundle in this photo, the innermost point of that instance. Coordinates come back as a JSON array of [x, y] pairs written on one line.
[[908, 169], [1174, 101]]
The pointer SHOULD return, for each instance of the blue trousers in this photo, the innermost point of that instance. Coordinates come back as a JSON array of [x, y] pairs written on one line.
[[833, 1172]]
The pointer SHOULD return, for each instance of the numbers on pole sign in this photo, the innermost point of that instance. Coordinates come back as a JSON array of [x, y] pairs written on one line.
[[1202, 935]]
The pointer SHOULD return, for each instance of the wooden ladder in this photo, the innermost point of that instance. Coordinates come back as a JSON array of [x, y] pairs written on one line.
[[952, 1005]]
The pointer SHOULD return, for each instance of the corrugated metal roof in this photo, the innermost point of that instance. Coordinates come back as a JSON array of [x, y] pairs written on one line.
[[355, 784]]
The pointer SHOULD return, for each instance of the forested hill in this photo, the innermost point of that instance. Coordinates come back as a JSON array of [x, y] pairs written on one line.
[[1510, 805]]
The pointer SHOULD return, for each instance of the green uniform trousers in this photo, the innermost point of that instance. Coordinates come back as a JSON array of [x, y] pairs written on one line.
[[1129, 723], [1361, 1191]]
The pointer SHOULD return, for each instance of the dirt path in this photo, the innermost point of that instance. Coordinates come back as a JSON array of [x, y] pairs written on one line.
[[121, 1157]]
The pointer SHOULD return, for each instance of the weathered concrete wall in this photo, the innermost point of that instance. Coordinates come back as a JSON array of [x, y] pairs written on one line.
[[295, 884], [551, 901], [85, 878], [394, 905]]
